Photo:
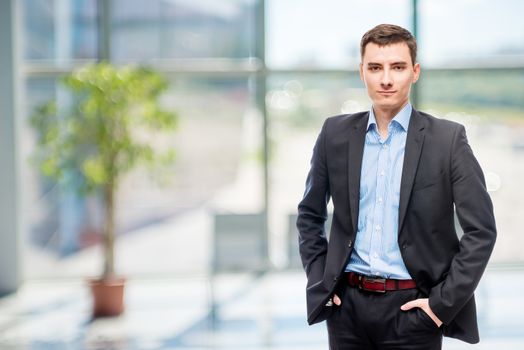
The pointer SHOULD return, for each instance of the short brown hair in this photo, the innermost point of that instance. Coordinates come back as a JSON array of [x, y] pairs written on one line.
[[387, 34]]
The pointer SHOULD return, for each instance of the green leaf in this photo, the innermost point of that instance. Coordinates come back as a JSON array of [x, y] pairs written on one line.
[[99, 136]]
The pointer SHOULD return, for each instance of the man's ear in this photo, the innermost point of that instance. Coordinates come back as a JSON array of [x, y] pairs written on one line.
[[361, 67], [416, 72]]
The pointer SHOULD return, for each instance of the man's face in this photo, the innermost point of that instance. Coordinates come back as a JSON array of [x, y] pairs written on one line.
[[387, 72]]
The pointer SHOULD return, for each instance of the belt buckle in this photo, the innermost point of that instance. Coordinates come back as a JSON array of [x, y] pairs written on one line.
[[362, 279]]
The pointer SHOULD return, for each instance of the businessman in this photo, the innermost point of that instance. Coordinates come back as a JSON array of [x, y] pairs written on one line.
[[393, 273]]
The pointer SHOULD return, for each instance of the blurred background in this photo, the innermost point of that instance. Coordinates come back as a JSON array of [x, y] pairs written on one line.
[[211, 255]]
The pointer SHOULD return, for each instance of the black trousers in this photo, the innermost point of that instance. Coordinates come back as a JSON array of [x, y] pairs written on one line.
[[369, 320]]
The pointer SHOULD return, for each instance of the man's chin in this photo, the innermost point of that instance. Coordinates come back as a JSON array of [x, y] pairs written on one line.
[[387, 105]]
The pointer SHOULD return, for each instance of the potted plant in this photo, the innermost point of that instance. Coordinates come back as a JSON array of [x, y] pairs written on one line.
[[91, 144]]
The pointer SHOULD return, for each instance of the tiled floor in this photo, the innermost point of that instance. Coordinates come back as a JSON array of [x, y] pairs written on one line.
[[250, 312]]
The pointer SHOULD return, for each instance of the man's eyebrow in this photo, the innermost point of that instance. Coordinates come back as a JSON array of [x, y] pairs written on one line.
[[398, 63]]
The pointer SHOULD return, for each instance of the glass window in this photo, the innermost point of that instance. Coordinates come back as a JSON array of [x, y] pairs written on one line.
[[493, 93], [165, 29], [217, 169], [219, 146], [309, 33], [471, 32], [297, 106], [59, 30]]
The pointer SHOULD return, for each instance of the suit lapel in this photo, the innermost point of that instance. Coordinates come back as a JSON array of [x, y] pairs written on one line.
[[357, 135], [414, 142]]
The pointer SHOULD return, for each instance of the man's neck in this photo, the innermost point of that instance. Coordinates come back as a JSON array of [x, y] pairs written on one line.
[[384, 116]]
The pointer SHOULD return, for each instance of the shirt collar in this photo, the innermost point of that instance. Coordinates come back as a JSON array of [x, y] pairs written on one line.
[[402, 117]]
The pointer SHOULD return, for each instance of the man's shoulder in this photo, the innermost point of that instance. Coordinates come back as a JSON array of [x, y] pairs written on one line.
[[437, 122], [345, 120]]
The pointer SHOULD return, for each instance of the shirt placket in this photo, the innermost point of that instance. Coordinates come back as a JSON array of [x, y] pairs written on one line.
[[379, 205]]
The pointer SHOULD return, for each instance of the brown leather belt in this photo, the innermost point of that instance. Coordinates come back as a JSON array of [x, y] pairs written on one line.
[[378, 285]]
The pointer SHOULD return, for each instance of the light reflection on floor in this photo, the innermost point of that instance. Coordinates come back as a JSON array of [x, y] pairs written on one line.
[[251, 312]]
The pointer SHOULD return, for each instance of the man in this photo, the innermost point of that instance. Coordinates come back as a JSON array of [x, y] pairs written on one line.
[[394, 274]]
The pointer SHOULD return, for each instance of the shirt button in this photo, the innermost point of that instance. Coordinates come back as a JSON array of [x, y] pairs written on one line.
[[375, 255], [377, 273], [377, 228], [385, 146], [380, 199], [382, 173]]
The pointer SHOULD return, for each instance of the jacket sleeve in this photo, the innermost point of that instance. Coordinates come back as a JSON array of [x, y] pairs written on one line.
[[312, 212], [475, 213]]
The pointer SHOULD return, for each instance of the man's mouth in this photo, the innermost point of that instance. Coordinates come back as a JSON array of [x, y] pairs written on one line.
[[386, 93]]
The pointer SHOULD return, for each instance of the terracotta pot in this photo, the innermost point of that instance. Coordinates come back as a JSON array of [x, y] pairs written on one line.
[[108, 296]]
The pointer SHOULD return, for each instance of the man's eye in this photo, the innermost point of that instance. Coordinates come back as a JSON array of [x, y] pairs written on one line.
[[374, 69], [399, 68]]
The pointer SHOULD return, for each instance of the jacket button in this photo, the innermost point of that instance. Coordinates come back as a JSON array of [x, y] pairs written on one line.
[[404, 246], [350, 243], [335, 279]]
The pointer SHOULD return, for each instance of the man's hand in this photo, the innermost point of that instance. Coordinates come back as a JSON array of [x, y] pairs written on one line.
[[336, 300], [424, 305]]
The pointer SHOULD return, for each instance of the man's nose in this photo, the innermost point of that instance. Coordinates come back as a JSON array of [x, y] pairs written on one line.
[[386, 80]]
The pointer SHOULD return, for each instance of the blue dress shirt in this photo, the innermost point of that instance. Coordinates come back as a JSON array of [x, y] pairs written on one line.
[[376, 251]]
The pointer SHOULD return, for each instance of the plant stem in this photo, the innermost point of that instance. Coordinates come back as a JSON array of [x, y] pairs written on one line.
[[109, 237]]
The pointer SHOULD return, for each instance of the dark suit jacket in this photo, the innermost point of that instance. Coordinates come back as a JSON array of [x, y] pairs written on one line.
[[440, 176]]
